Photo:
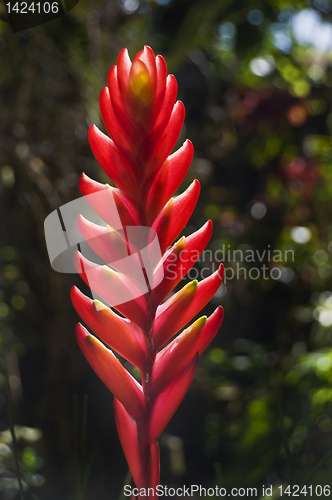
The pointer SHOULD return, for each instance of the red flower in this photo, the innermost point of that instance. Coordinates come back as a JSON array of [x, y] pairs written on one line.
[[143, 120]]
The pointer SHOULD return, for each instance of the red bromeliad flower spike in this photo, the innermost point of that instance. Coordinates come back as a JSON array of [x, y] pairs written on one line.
[[143, 120]]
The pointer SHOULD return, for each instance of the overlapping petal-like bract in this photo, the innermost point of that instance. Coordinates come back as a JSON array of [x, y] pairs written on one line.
[[143, 120]]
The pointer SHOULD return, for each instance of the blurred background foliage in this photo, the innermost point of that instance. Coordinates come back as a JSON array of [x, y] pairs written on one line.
[[256, 80]]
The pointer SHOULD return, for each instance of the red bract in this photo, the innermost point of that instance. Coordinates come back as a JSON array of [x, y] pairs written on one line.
[[143, 120]]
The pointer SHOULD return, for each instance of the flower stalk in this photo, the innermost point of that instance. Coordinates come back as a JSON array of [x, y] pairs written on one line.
[[143, 264]]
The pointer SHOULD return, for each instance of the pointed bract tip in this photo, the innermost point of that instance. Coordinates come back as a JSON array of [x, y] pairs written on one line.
[[123, 54], [91, 128], [147, 48], [81, 333], [99, 306], [196, 183], [73, 290], [202, 320], [188, 144], [179, 245]]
